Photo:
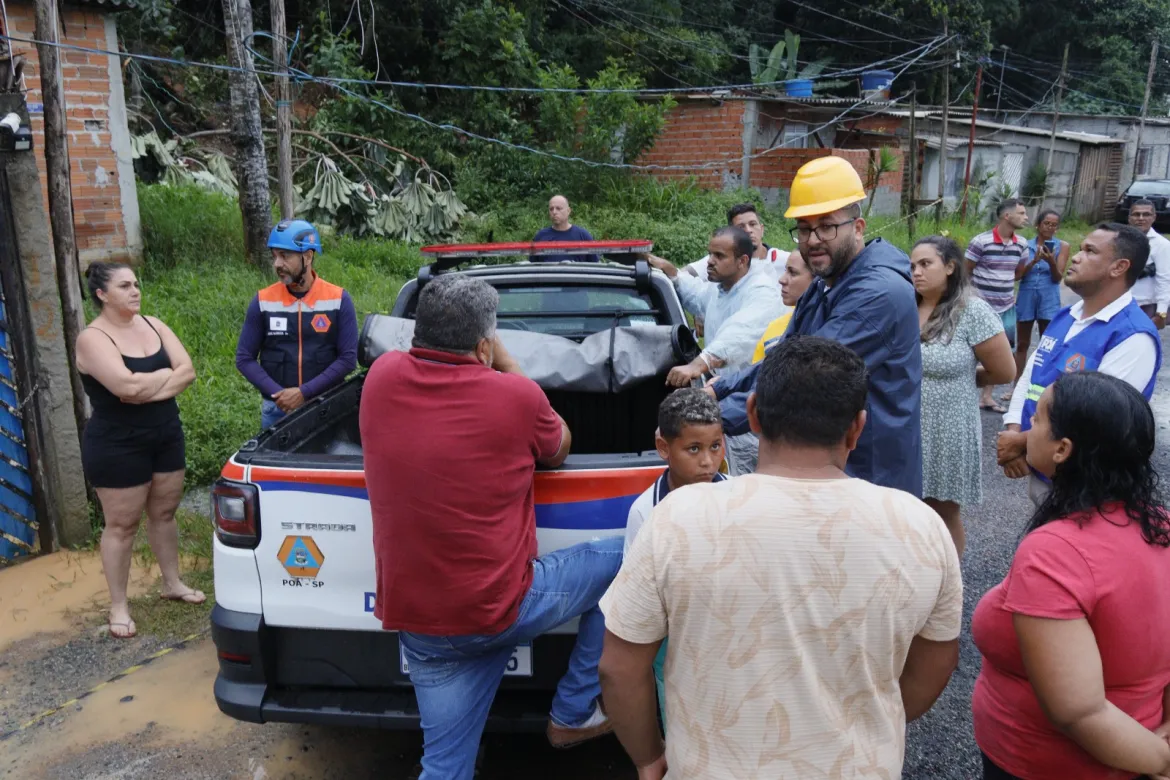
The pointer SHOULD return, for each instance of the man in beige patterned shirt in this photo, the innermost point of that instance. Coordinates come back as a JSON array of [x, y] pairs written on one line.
[[811, 615]]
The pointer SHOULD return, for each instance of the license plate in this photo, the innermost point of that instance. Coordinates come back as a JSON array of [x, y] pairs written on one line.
[[519, 665]]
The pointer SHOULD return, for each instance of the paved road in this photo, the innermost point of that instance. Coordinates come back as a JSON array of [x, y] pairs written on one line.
[[161, 721]]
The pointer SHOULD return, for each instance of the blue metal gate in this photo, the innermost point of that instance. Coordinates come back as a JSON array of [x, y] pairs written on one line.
[[18, 522]]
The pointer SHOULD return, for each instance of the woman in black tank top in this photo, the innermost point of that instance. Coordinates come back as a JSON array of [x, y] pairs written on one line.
[[132, 367]]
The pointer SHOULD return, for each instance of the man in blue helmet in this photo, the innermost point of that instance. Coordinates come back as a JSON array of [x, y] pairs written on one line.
[[300, 334]]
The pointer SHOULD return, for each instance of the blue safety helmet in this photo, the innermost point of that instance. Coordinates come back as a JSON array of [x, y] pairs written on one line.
[[295, 235]]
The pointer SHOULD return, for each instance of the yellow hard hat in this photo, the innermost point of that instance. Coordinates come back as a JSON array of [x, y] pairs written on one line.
[[822, 186]]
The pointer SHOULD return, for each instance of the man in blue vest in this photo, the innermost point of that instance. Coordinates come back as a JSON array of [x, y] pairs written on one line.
[[300, 334], [1105, 331]]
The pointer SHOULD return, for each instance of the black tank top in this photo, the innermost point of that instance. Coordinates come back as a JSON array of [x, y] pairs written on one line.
[[111, 408]]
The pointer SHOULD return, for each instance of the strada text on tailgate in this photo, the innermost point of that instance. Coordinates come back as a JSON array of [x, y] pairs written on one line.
[[293, 554]]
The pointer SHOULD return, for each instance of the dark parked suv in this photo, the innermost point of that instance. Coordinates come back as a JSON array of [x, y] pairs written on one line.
[[1156, 190]]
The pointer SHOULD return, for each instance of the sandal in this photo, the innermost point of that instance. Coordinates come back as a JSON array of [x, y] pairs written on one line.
[[131, 630], [190, 597], [993, 407]]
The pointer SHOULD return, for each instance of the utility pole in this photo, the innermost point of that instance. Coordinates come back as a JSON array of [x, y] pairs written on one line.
[[283, 112], [1137, 150], [1056, 111], [60, 196], [246, 133], [942, 144], [971, 141], [1002, 67], [912, 220]]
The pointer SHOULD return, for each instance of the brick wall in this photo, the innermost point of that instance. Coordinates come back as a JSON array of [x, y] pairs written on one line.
[[105, 205], [697, 134]]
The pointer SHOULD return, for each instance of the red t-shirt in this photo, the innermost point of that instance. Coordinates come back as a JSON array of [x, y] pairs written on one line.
[[1103, 571], [450, 447]]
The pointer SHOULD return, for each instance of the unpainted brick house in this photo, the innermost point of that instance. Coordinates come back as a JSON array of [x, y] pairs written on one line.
[[733, 141], [105, 201]]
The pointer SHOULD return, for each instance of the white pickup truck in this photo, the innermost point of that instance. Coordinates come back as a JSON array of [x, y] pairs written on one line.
[[294, 563]]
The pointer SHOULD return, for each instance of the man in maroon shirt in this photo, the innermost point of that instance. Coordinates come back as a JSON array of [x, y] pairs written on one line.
[[452, 432]]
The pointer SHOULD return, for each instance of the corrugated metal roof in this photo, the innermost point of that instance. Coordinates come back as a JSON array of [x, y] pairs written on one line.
[[1065, 135]]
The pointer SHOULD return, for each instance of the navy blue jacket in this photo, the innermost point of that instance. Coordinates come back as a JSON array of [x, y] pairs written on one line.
[[872, 310]]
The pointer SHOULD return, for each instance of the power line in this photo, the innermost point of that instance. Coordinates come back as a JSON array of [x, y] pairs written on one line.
[[447, 127], [850, 21]]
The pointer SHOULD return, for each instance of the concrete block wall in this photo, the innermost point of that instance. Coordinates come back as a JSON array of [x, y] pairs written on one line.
[[105, 201]]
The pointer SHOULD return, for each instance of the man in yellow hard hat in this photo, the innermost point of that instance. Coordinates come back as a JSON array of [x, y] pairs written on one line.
[[864, 299]]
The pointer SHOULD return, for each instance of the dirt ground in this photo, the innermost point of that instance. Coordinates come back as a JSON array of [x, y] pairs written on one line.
[[137, 709]]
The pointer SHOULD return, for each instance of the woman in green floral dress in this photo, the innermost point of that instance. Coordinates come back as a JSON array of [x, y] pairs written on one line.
[[959, 332]]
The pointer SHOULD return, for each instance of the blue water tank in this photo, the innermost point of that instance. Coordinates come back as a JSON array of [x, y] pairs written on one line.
[[799, 88], [876, 79]]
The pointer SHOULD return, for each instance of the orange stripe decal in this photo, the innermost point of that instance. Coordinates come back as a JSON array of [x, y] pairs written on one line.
[[551, 487], [232, 471]]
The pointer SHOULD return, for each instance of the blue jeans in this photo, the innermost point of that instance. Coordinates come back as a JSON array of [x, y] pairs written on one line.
[[455, 678], [270, 414]]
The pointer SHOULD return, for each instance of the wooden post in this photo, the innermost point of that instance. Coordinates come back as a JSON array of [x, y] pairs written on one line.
[[942, 144], [971, 142], [247, 136], [284, 172], [60, 197], [1137, 150], [911, 221], [1056, 112]]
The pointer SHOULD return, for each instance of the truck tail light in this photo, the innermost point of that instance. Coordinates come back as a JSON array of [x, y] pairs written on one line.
[[235, 510]]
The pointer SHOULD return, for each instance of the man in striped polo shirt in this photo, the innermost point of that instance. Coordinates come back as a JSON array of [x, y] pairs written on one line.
[[995, 260]]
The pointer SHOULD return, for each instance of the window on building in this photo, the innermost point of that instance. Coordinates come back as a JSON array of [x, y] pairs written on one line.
[[1143, 161], [795, 135]]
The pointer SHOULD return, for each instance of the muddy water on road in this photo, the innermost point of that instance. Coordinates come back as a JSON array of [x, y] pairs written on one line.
[[162, 721]]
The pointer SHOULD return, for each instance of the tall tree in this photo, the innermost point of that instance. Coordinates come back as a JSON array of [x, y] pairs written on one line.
[[247, 136]]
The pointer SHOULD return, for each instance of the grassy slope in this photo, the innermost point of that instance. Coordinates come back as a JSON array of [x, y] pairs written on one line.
[[193, 279]]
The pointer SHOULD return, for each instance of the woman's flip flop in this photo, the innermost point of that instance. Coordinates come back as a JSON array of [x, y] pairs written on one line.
[[192, 597]]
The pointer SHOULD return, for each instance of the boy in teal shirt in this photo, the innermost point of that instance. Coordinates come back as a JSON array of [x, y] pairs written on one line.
[[690, 439]]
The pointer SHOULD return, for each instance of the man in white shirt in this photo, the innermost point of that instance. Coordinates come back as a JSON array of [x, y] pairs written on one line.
[[1152, 290], [766, 259], [1105, 331], [736, 305]]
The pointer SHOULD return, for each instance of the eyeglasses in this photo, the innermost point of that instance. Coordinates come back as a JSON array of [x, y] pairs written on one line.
[[824, 232]]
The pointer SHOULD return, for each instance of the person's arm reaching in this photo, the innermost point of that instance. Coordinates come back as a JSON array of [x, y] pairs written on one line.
[[739, 333], [635, 621], [248, 347], [735, 382], [551, 437], [347, 346]]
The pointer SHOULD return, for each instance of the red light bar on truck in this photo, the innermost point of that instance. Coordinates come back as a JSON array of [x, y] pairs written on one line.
[[636, 246]]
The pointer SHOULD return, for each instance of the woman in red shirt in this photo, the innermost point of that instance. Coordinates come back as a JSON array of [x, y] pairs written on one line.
[[1076, 639]]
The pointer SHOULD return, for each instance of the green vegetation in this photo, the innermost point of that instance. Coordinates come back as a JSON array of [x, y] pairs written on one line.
[[195, 280], [175, 619]]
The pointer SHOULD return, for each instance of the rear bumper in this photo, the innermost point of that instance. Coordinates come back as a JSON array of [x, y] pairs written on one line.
[[245, 690]]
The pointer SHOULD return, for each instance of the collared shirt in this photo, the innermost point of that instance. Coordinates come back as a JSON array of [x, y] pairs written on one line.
[[996, 260], [450, 447], [1155, 289], [645, 503], [1133, 360], [733, 320]]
